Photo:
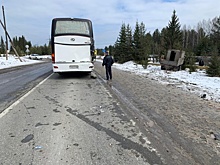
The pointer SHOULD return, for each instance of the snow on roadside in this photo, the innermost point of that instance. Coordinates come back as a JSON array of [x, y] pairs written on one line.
[[196, 82], [14, 61]]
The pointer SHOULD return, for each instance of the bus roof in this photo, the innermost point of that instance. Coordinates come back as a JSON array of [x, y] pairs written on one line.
[[76, 19]]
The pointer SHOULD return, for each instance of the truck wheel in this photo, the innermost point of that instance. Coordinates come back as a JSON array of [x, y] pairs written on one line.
[[176, 68]]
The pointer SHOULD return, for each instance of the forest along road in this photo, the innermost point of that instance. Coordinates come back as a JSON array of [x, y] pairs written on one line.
[[16, 81], [178, 124]]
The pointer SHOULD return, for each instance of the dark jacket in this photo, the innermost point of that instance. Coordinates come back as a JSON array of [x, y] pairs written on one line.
[[108, 61]]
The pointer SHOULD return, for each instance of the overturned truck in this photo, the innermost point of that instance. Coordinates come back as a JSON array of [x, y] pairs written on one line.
[[173, 60]]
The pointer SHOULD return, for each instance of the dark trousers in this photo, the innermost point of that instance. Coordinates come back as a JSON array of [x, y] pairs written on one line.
[[108, 72]]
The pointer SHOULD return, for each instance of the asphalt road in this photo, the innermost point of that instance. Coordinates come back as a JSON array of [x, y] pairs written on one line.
[[16, 81], [76, 120], [71, 119]]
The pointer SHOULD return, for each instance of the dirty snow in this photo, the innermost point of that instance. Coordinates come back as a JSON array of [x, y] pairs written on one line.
[[197, 82]]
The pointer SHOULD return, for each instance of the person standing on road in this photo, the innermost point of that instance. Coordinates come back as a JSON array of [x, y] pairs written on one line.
[[107, 62]]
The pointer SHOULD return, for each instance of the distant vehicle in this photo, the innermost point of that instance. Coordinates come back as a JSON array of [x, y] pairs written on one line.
[[35, 57], [173, 60], [72, 45]]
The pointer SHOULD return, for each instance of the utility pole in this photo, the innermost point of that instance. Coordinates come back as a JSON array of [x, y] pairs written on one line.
[[6, 38]]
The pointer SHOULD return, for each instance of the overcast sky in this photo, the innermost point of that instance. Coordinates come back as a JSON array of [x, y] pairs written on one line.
[[32, 18]]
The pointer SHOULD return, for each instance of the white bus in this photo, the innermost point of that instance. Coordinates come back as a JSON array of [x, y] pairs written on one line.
[[72, 45]]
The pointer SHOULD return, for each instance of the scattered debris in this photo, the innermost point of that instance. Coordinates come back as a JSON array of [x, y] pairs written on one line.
[[40, 124], [150, 123], [215, 136], [203, 96], [76, 144], [132, 122], [56, 124], [38, 147], [93, 75], [27, 138]]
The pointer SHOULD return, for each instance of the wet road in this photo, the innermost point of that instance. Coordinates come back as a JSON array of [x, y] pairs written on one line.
[[16, 81], [71, 120], [74, 119]]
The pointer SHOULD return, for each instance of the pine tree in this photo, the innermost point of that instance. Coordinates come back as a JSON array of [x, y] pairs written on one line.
[[120, 45], [111, 49], [123, 48], [204, 47], [214, 65], [216, 33], [142, 39], [20, 43], [136, 42], [157, 42], [129, 44], [139, 42], [164, 42], [173, 35], [191, 60], [148, 48]]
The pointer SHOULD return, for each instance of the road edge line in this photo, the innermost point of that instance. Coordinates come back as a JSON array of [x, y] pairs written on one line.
[[4, 112]]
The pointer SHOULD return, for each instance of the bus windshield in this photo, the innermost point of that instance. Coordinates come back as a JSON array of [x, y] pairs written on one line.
[[72, 27]]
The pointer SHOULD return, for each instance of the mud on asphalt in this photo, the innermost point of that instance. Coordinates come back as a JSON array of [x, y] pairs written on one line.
[[177, 123]]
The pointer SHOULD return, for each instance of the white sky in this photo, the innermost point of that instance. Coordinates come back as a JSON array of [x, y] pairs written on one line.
[[32, 18], [197, 82]]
